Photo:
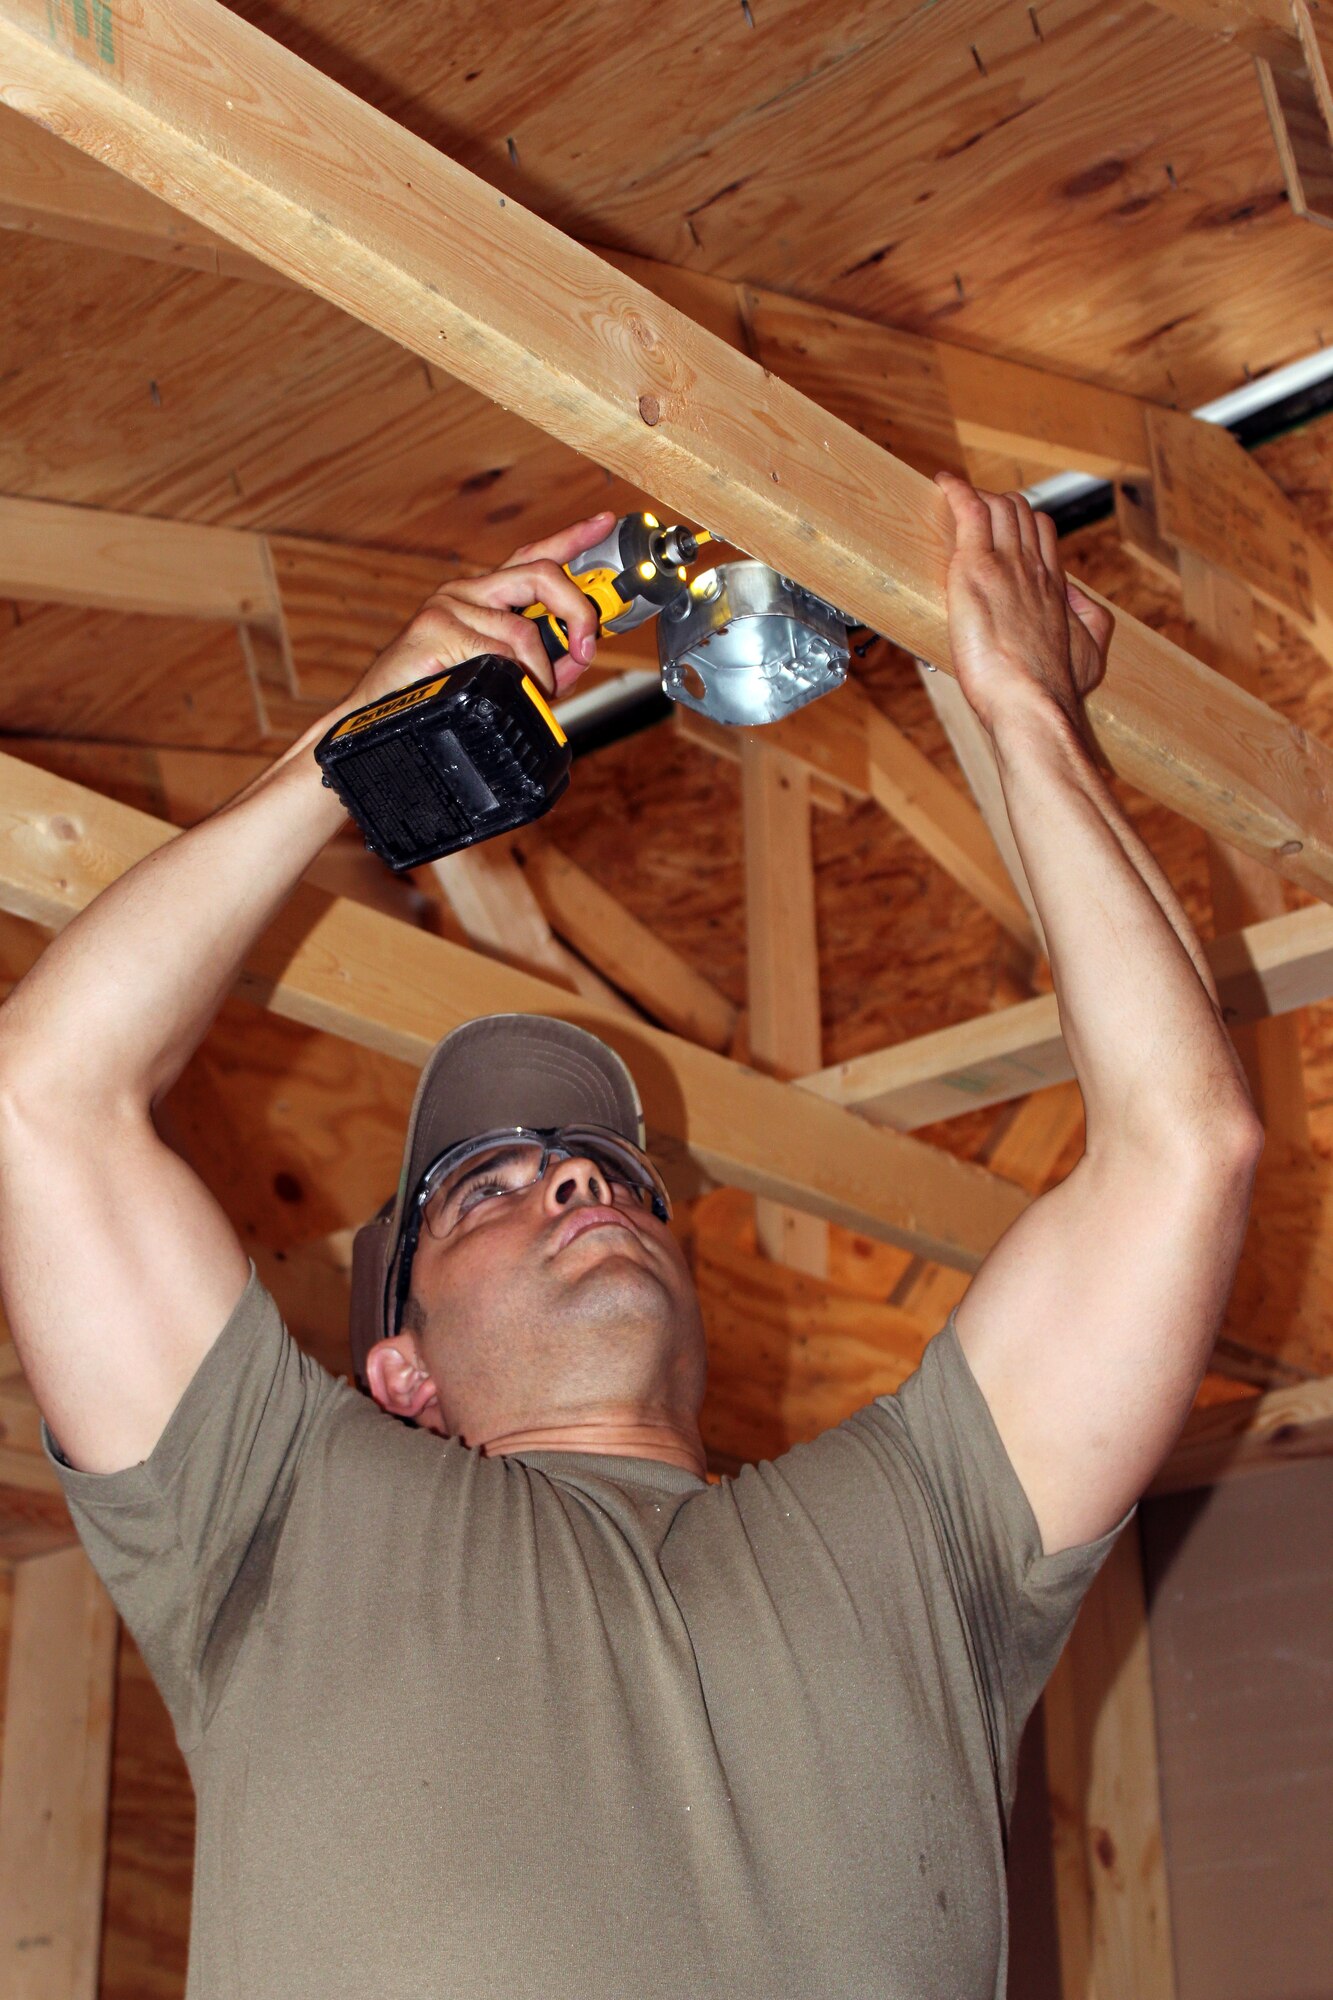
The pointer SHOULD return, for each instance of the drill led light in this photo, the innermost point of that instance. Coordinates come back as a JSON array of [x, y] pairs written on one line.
[[651, 521], [680, 572], [647, 571]]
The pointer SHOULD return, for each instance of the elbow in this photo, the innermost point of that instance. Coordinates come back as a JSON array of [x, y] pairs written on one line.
[[1222, 1149], [1206, 1140]]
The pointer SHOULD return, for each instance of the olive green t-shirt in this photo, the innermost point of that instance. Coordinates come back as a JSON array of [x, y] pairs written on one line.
[[564, 1727]]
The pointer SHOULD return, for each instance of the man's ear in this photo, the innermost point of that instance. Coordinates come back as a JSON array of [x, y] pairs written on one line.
[[400, 1383]]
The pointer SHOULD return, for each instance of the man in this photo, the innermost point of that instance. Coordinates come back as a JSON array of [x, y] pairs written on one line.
[[508, 1699]]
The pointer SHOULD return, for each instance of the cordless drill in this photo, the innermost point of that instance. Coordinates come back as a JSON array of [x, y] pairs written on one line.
[[475, 751]]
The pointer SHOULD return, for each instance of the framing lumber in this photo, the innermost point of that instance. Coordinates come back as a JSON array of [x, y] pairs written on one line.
[[1314, 29], [53, 554], [781, 960], [1213, 498], [202, 108], [494, 904], [379, 982], [844, 740], [1256, 1435], [1108, 1849], [930, 402], [624, 950], [1268, 968], [1258, 27], [976, 760], [56, 1775], [1221, 610], [1298, 97], [313, 613]]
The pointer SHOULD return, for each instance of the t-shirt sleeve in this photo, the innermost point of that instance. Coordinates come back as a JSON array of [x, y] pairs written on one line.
[[185, 1541], [1018, 1605]]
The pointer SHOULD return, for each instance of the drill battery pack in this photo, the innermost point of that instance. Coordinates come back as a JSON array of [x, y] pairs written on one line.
[[451, 760]]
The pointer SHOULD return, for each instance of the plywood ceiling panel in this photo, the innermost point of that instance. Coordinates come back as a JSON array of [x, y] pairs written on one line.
[[1089, 186]]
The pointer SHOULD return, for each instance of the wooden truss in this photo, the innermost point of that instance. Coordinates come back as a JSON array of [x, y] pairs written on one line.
[[400, 237], [773, 421]]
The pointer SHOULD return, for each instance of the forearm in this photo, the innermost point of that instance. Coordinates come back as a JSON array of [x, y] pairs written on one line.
[[119, 1001], [1137, 1001]]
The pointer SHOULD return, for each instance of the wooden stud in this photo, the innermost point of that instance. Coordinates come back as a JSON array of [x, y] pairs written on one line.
[[1136, 524], [1101, 1762], [782, 960], [624, 950], [381, 983], [53, 1792], [844, 740], [1221, 609], [432, 256]]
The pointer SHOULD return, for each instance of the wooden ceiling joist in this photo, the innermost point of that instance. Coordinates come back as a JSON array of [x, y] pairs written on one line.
[[51, 554], [204, 109], [930, 402], [347, 969]]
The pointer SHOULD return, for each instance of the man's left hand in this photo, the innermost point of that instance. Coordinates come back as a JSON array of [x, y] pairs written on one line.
[[1017, 625]]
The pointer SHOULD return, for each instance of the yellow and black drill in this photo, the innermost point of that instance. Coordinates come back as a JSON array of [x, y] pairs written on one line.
[[475, 751]]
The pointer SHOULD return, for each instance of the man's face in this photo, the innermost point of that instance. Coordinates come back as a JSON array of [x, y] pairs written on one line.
[[563, 1303]]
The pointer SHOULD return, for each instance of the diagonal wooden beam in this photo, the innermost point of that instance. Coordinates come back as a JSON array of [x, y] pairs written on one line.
[[353, 972], [627, 952], [1221, 610], [976, 760], [1269, 968], [928, 401], [241, 135]]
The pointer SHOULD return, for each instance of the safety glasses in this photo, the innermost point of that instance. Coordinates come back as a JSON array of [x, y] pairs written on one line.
[[508, 1161]]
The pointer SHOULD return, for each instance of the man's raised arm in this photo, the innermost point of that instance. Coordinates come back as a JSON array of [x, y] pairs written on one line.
[[118, 1268], [1091, 1322]]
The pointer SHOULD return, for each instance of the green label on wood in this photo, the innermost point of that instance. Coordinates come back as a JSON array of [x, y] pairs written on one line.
[[84, 26]]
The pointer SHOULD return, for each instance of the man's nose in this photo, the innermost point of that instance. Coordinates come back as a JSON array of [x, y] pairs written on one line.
[[578, 1181]]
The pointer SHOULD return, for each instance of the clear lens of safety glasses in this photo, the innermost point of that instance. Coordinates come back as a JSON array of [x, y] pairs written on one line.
[[499, 1163]]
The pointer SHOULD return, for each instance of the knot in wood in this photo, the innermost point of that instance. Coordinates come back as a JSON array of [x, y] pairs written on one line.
[[1290, 847], [650, 410], [62, 828]]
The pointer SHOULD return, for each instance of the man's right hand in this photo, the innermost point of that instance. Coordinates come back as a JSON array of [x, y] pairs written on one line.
[[483, 614]]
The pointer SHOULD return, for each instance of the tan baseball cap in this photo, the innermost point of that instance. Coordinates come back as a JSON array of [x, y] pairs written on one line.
[[504, 1069]]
